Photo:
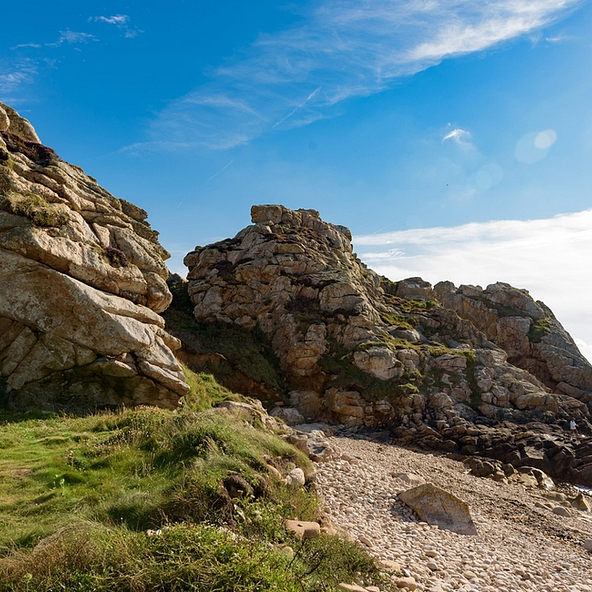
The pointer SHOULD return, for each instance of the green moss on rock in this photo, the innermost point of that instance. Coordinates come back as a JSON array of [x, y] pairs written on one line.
[[539, 329]]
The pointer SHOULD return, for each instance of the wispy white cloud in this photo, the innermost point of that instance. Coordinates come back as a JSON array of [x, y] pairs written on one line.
[[548, 257], [460, 137], [142, 148], [72, 37], [557, 39], [25, 45], [14, 79], [121, 21], [342, 49]]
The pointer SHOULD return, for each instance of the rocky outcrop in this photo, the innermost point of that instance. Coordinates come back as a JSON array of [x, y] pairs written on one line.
[[527, 331], [82, 278], [360, 350], [357, 348]]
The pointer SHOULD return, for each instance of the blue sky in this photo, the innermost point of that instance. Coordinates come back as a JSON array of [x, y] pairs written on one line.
[[453, 137]]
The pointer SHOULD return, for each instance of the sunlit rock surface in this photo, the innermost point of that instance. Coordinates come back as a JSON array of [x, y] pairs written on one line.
[[361, 350], [82, 278]]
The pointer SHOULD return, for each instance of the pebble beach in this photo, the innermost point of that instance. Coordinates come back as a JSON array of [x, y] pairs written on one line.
[[522, 542]]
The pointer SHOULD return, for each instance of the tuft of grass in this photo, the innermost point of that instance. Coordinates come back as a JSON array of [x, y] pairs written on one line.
[[37, 209], [183, 557]]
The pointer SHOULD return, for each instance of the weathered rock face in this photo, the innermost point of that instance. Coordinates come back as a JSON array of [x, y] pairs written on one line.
[[82, 278], [360, 350], [528, 332], [357, 348]]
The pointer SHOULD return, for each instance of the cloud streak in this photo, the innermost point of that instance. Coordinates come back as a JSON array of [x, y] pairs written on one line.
[[548, 257], [14, 79], [460, 137], [342, 49], [121, 21]]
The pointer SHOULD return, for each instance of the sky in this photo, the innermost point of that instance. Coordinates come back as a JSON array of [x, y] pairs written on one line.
[[453, 137]]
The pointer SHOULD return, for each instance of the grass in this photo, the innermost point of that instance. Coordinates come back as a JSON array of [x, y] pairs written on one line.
[[37, 209], [79, 497]]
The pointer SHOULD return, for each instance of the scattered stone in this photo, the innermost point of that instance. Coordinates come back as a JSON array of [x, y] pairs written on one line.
[[561, 511], [439, 507], [304, 530], [391, 565], [409, 479], [582, 502], [295, 477], [285, 550], [406, 582], [290, 415], [351, 587]]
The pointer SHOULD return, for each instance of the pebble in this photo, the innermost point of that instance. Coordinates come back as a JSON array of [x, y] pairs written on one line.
[[521, 544]]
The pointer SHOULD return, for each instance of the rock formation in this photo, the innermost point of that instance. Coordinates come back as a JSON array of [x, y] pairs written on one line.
[[442, 367], [82, 278], [527, 331]]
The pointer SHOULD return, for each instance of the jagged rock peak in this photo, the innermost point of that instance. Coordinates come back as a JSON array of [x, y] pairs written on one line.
[[82, 278], [279, 215]]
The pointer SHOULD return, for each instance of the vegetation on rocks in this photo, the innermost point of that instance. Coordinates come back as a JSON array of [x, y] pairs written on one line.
[[139, 500], [539, 329], [37, 209], [248, 351]]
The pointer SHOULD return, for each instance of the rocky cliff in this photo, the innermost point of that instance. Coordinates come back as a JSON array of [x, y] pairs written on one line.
[[82, 280], [441, 367]]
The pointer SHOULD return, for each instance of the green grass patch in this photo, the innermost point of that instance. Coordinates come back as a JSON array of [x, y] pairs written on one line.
[[398, 320], [79, 496], [410, 305], [87, 557]]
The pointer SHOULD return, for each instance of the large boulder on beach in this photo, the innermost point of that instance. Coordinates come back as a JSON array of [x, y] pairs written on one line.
[[439, 507]]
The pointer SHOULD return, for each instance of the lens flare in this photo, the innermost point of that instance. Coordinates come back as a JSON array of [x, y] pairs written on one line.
[[534, 146], [545, 139]]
